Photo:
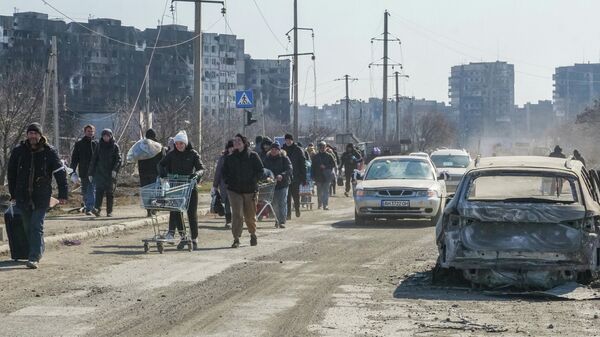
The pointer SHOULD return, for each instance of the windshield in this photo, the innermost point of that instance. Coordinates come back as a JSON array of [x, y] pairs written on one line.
[[400, 169], [525, 188], [450, 161]]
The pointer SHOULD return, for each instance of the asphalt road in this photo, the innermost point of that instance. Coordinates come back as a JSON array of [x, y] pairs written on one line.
[[321, 276]]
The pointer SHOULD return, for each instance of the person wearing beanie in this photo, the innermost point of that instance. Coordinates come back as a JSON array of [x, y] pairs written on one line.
[[31, 166], [219, 182], [297, 157], [242, 170], [83, 151], [351, 160], [281, 166], [103, 171], [183, 161], [322, 168], [148, 168]]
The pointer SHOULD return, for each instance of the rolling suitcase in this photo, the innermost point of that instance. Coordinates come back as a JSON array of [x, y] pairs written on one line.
[[17, 238]]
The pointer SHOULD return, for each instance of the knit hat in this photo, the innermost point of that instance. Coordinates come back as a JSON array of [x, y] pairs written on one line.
[[35, 127], [181, 136], [276, 145], [150, 134], [289, 136], [107, 132]]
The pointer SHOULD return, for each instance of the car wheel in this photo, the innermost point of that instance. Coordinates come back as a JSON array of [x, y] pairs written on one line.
[[359, 220]]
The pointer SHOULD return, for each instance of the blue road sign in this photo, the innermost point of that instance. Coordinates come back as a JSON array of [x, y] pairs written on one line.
[[244, 99]]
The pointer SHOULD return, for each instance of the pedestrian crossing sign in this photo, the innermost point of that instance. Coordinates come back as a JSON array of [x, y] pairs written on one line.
[[244, 99]]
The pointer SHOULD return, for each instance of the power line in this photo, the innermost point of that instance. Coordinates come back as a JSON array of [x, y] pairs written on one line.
[[147, 73], [119, 41], [268, 25]]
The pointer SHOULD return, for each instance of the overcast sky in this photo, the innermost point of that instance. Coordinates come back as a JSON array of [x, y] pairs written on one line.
[[534, 35]]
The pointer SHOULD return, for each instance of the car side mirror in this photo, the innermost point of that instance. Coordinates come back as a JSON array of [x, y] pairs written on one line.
[[443, 176]]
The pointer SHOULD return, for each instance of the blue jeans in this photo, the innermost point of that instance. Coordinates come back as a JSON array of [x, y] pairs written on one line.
[[33, 222], [88, 192], [280, 204], [323, 192]]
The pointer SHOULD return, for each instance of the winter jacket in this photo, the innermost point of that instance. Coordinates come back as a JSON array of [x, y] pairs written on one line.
[[82, 155], [218, 181], [30, 174], [106, 160], [350, 161], [298, 159], [322, 174], [242, 170], [280, 165], [148, 168], [184, 163]]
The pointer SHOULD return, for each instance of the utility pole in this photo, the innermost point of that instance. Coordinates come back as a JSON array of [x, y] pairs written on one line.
[[347, 79], [398, 75], [47, 78], [294, 56], [148, 117], [385, 65], [196, 118], [385, 73], [55, 92], [295, 70]]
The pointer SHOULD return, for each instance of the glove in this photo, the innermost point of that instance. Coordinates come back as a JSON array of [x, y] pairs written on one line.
[[91, 179], [114, 174]]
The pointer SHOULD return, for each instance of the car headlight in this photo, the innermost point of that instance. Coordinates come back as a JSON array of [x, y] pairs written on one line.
[[428, 193], [364, 193]]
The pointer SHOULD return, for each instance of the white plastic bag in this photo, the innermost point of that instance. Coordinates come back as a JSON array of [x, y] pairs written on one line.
[[143, 149]]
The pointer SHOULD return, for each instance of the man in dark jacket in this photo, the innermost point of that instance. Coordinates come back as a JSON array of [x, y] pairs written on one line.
[[323, 165], [148, 168], [183, 161], [82, 156], [557, 153], [577, 156], [30, 169], [104, 168], [281, 166], [350, 160], [219, 183], [298, 158], [241, 171]]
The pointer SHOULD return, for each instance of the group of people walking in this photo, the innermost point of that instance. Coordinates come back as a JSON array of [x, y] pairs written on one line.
[[95, 165]]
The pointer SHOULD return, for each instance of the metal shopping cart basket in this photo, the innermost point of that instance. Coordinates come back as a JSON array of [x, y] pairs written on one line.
[[173, 195], [264, 199], [306, 193]]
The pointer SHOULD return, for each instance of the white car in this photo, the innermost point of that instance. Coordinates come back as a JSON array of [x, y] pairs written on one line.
[[399, 187], [454, 162]]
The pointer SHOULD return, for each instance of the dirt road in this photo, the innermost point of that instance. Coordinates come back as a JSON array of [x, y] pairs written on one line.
[[322, 276]]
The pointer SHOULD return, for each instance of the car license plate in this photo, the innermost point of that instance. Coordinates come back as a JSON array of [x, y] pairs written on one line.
[[395, 203]]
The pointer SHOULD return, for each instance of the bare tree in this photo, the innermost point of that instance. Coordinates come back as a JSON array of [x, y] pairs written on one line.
[[21, 94], [429, 130]]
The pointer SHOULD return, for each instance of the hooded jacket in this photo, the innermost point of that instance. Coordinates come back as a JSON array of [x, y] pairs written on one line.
[[106, 160], [242, 171], [280, 165], [298, 159], [184, 163], [322, 174], [82, 155], [30, 174], [350, 161], [148, 168]]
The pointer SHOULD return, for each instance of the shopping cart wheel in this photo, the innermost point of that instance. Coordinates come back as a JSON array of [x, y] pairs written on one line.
[[146, 247], [160, 247], [189, 247]]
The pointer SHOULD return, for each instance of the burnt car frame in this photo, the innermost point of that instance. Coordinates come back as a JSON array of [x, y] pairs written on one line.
[[529, 238]]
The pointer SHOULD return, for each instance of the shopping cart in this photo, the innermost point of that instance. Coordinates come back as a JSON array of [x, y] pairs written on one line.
[[173, 195], [264, 199], [306, 193]]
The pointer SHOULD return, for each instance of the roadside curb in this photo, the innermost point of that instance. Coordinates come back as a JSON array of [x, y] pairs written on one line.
[[55, 240]]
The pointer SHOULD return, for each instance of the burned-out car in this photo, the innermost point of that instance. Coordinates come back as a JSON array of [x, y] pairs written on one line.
[[522, 221]]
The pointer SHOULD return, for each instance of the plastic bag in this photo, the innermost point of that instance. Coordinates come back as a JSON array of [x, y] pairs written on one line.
[[143, 149], [216, 204]]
